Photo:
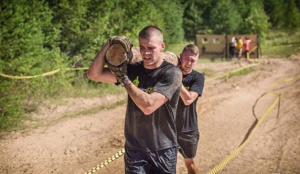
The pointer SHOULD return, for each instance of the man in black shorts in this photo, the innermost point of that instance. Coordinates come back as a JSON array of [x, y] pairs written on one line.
[[153, 87], [186, 119]]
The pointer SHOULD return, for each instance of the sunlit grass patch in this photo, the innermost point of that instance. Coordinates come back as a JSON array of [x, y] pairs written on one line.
[[34, 123], [242, 72], [205, 71], [210, 60], [279, 51], [279, 44]]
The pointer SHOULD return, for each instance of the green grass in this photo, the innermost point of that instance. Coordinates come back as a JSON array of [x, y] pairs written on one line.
[[205, 70], [209, 60], [280, 44], [242, 72], [23, 101], [282, 38], [280, 51], [92, 89], [87, 88], [87, 111], [31, 123], [177, 48]]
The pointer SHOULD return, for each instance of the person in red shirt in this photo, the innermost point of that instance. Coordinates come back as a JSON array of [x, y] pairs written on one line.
[[247, 46]]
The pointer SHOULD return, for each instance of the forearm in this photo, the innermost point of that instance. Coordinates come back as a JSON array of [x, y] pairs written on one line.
[[187, 96], [148, 103], [97, 71]]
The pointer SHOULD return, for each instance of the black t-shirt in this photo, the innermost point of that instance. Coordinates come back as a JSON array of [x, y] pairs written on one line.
[[158, 130], [186, 116]]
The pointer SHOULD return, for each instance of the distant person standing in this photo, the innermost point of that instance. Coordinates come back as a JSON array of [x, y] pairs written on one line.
[[186, 116], [232, 48], [239, 47], [247, 47]]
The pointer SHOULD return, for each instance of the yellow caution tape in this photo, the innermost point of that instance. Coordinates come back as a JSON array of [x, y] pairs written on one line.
[[40, 75], [30, 77], [222, 164], [283, 81], [227, 74], [248, 54], [106, 162]]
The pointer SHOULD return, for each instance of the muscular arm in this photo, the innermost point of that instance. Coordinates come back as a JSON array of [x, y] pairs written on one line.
[[148, 103], [97, 71], [188, 97]]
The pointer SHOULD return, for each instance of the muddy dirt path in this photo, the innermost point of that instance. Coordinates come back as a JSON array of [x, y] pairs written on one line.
[[227, 111]]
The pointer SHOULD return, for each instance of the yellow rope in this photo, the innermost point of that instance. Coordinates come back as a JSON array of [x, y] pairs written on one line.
[[40, 75], [235, 152], [233, 71], [106, 162]]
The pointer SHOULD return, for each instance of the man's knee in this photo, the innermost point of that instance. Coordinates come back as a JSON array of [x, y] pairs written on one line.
[[189, 161]]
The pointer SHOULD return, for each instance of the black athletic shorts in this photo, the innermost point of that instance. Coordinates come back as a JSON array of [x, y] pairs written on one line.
[[188, 142], [157, 162]]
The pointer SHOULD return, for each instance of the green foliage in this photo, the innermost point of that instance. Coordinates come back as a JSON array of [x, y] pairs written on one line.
[[257, 21], [273, 8], [192, 20], [224, 18], [177, 48], [27, 48], [79, 32], [292, 22], [278, 37], [284, 14], [22, 43], [171, 13], [88, 88], [280, 44], [242, 7], [242, 72], [41, 36], [10, 111]]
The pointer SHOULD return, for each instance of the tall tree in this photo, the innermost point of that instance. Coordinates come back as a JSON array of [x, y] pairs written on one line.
[[128, 17], [292, 15], [257, 21], [241, 7], [275, 9], [297, 4], [86, 25], [284, 14], [224, 17], [192, 20], [70, 18], [27, 37], [27, 48], [171, 13]]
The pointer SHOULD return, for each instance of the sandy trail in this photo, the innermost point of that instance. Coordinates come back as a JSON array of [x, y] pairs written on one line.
[[226, 112]]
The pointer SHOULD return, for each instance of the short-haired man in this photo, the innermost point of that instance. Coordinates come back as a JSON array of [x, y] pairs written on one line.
[[150, 128], [186, 119]]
